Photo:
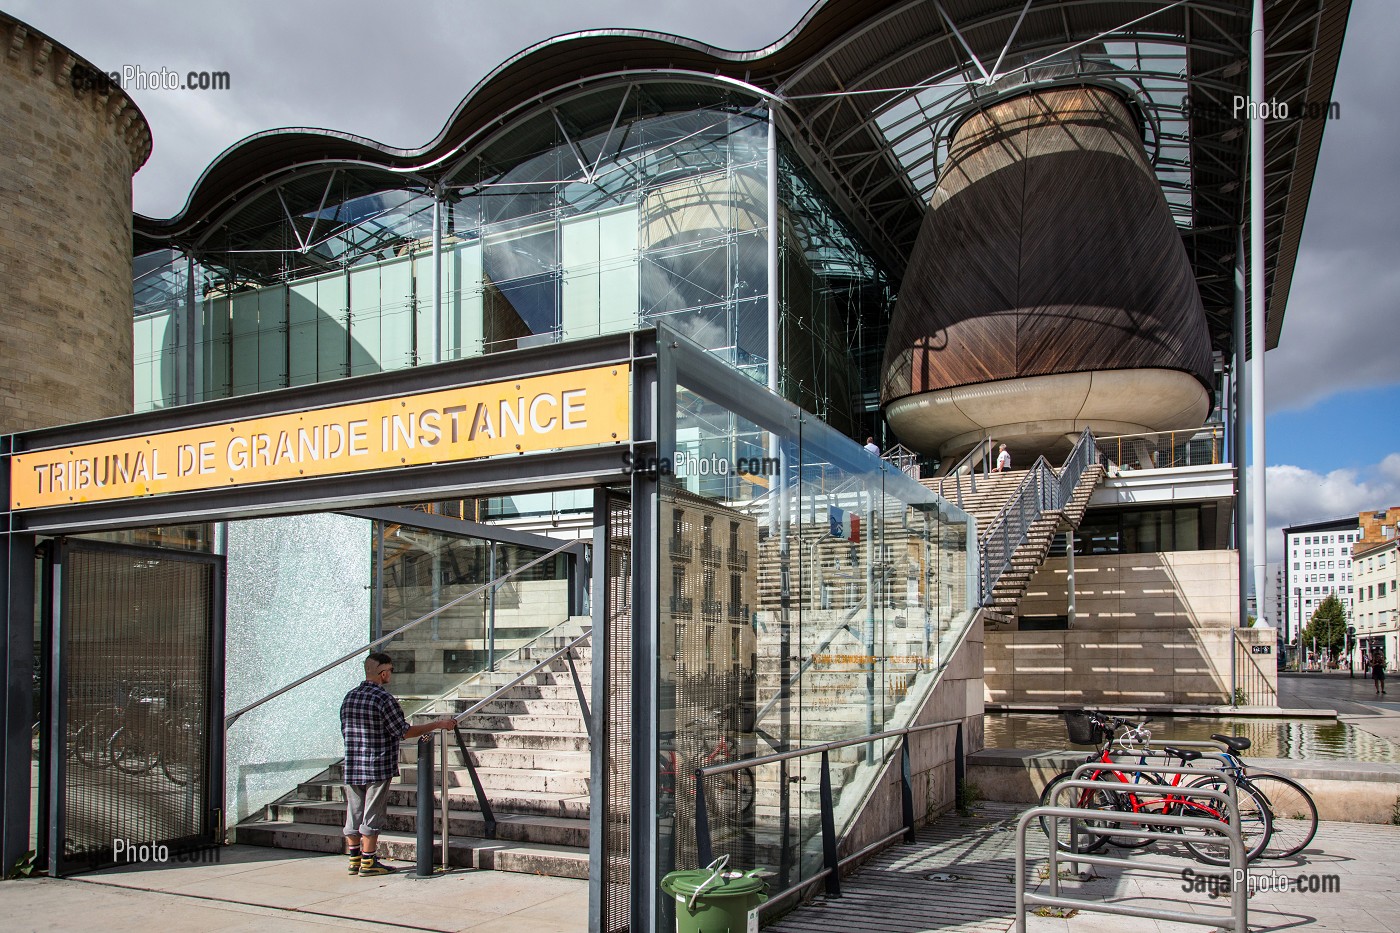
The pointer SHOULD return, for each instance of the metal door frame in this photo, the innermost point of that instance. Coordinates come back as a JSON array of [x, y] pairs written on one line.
[[54, 758]]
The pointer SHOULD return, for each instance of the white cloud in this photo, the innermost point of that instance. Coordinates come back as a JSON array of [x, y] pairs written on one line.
[[1297, 496]]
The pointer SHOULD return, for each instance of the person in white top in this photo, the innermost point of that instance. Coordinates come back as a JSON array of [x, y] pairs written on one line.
[[1003, 460], [871, 446]]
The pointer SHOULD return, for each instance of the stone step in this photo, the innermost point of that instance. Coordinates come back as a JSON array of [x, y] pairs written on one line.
[[562, 706], [525, 758], [525, 739], [510, 827], [498, 855], [569, 783], [568, 806], [556, 725], [531, 691]]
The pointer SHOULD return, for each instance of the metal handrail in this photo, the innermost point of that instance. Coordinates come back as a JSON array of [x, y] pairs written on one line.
[[488, 816], [233, 717], [1075, 464], [496, 695], [1013, 521], [513, 653], [1212, 433], [1051, 491], [965, 462], [831, 870]]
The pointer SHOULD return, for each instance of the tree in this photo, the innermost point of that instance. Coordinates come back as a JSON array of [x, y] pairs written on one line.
[[1329, 626]]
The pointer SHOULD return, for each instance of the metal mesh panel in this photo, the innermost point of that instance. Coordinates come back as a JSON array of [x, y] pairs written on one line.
[[616, 847], [136, 630]]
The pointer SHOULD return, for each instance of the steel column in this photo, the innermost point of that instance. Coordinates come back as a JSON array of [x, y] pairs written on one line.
[[648, 400], [1257, 310], [598, 785], [435, 350], [17, 614]]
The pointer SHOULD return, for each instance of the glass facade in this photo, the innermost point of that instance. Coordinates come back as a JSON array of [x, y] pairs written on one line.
[[600, 213], [808, 592]]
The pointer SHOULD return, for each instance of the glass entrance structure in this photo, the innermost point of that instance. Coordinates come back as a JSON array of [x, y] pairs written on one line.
[[629, 203]]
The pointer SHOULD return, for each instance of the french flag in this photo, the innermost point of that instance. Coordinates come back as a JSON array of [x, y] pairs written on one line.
[[845, 525]]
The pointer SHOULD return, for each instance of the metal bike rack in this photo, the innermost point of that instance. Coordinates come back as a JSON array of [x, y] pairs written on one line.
[[1238, 917]]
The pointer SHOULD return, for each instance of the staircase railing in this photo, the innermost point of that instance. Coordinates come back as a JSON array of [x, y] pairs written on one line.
[[233, 717], [904, 460], [1042, 490], [1011, 526], [981, 453], [483, 802], [1079, 460]]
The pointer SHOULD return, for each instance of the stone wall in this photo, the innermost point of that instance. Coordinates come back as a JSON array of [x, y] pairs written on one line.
[[1149, 629], [65, 235], [958, 694]]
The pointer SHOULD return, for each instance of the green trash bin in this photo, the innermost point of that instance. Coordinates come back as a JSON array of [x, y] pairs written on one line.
[[712, 900]]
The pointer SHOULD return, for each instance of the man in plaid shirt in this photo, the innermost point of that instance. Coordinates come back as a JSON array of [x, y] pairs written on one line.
[[373, 725]]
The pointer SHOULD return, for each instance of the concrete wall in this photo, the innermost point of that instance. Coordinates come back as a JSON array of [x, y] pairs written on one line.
[[65, 236], [1148, 629], [957, 695]]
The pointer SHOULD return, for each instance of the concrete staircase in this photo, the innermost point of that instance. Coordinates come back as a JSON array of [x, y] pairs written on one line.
[[531, 752]]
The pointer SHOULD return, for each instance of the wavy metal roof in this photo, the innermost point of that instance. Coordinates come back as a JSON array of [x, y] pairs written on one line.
[[870, 91]]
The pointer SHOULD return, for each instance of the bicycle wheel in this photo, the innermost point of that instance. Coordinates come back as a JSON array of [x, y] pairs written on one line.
[[744, 789], [1142, 797], [1293, 811], [129, 753], [1213, 848], [178, 751], [92, 743], [1089, 841]]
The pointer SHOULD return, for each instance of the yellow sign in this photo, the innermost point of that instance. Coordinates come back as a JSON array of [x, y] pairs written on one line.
[[563, 410]]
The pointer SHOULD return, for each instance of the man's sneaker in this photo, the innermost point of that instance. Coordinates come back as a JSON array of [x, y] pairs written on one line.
[[369, 865], [354, 861]]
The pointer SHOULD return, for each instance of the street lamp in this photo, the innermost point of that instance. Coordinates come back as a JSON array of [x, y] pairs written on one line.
[[1351, 642]]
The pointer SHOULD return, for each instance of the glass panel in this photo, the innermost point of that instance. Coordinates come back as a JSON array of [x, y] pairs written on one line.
[[298, 596], [419, 570], [462, 303], [302, 315], [547, 235], [521, 289], [809, 593]]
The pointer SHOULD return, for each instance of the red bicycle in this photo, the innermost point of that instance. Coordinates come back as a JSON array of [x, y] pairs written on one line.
[[1151, 793], [730, 792]]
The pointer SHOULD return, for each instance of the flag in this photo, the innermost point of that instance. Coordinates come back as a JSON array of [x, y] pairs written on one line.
[[845, 525]]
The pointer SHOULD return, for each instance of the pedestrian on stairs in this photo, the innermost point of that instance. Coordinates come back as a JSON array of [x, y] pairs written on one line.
[[373, 724], [1003, 460]]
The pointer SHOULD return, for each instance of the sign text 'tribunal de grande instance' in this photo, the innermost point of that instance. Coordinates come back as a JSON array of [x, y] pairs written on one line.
[[562, 410]]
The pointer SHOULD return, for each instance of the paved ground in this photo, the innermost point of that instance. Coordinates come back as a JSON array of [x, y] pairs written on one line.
[[907, 888], [275, 889], [904, 890], [1354, 699]]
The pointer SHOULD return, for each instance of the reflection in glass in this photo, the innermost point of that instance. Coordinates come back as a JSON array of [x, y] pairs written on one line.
[[808, 593]]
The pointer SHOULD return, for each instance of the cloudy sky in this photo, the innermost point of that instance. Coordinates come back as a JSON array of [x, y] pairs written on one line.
[[395, 74]]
